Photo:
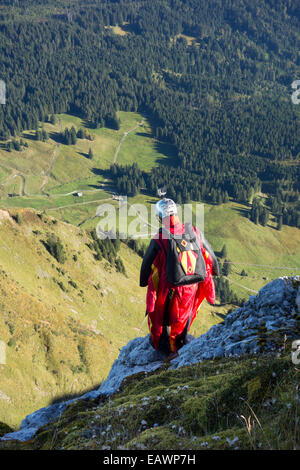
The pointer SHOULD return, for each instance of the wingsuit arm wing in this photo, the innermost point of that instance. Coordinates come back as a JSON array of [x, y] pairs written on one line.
[[215, 264], [150, 255]]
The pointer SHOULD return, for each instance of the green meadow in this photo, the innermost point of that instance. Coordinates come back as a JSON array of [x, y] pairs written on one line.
[[73, 305], [42, 175], [48, 175]]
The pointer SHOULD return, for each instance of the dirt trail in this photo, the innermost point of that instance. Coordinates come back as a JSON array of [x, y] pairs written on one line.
[[124, 137], [13, 175], [78, 204], [48, 172], [16, 174], [23, 193]]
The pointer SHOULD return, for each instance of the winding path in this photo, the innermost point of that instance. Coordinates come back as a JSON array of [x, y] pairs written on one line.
[[14, 175], [124, 137], [48, 172], [23, 185], [240, 285], [78, 204]]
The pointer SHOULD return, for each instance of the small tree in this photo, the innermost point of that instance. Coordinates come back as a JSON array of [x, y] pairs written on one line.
[[67, 137], [226, 268], [90, 155], [38, 134], [44, 135], [80, 134], [223, 253], [53, 119], [55, 248], [73, 135], [120, 266], [264, 217], [279, 222], [16, 145]]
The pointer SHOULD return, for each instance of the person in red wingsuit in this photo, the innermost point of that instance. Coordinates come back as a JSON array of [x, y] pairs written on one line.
[[182, 303]]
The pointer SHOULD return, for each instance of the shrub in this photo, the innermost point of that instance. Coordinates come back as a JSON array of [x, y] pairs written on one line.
[[17, 218], [55, 248], [73, 284]]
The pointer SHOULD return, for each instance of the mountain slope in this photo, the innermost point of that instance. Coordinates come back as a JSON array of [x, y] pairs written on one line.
[[63, 324], [245, 400]]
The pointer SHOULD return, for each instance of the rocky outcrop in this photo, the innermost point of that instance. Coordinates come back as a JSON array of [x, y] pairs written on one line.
[[262, 324], [255, 327]]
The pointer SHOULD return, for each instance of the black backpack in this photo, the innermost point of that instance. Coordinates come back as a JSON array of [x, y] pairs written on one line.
[[185, 262]]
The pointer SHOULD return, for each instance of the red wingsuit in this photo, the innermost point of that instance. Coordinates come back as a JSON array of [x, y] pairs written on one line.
[[186, 300]]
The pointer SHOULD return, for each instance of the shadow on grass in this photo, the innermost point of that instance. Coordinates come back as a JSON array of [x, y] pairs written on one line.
[[243, 212], [27, 135], [145, 134], [85, 155], [87, 124], [131, 28], [221, 315], [105, 185], [101, 172], [57, 137], [97, 186], [71, 396], [169, 151]]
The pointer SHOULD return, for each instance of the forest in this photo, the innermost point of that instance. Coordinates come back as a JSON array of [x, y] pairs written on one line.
[[213, 77]]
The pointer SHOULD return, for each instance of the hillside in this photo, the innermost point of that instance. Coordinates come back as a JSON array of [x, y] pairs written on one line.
[[63, 324], [105, 102], [45, 285], [51, 184], [48, 174], [215, 78], [234, 387]]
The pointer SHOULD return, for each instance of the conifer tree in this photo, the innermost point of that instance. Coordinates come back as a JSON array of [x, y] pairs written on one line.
[[44, 135], [53, 119], [73, 135], [90, 154], [223, 253], [226, 268]]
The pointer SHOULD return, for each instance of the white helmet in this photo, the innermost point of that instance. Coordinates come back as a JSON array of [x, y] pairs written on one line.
[[165, 208]]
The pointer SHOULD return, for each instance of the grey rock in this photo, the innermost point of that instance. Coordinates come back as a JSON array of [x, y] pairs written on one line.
[[274, 305]]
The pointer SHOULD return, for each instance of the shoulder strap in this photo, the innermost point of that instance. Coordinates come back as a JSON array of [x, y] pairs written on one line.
[[159, 241], [188, 228], [206, 245], [193, 235]]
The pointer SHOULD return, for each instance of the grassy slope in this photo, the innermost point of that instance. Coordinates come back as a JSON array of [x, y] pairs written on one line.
[[63, 340], [59, 341], [72, 171], [252, 244], [201, 407], [247, 244], [71, 164]]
